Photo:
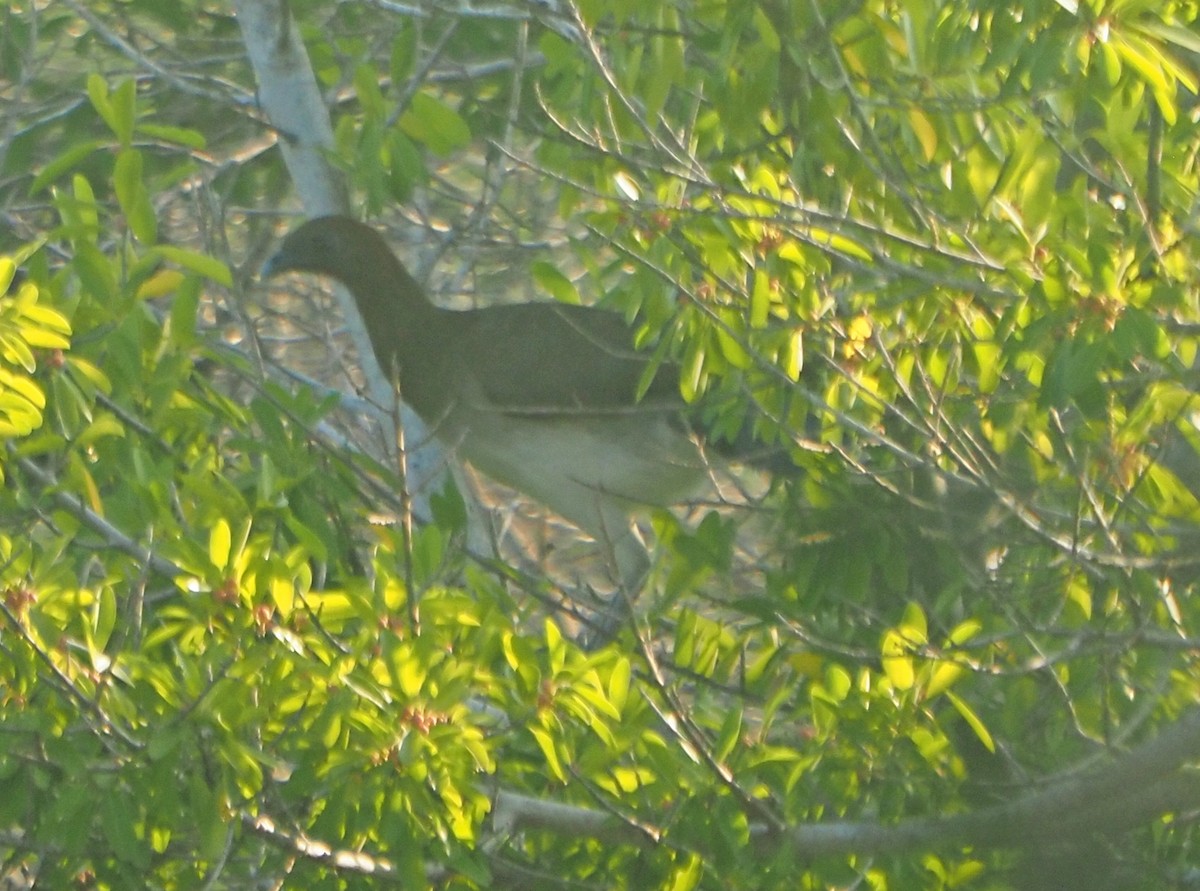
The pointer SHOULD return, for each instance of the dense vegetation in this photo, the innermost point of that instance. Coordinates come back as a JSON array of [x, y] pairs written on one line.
[[944, 252]]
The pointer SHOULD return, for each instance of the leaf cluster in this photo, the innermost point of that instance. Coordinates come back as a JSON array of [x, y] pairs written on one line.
[[941, 256]]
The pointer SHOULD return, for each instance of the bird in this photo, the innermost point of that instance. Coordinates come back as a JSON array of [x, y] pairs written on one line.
[[548, 398]]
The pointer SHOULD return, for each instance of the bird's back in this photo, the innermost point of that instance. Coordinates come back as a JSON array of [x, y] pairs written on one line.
[[555, 358]]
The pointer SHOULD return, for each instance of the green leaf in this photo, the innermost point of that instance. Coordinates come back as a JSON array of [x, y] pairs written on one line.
[[1073, 375], [925, 131], [731, 348], [838, 682], [1035, 190], [592, 691], [964, 631], [209, 267], [42, 326], [556, 647], [1138, 333], [1170, 33], [21, 404], [95, 272], [840, 243], [897, 659], [945, 674], [97, 90], [102, 426], [914, 625], [687, 876], [667, 62], [366, 87], [70, 813], [1143, 58], [729, 735], [90, 373], [1079, 595], [403, 53], [184, 308], [134, 197], [63, 162], [760, 299], [123, 103], [406, 167], [546, 743], [554, 283], [410, 674], [220, 539], [988, 357], [104, 617], [165, 742], [437, 125], [791, 358], [618, 683], [692, 372], [184, 136], [973, 722], [15, 350], [118, 821]]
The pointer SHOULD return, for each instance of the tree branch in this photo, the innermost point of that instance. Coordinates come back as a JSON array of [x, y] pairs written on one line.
[[1118, 795]]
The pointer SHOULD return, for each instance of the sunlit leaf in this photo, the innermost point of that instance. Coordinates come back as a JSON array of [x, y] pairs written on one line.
[[973, 721], [219, 543], [545, 742]]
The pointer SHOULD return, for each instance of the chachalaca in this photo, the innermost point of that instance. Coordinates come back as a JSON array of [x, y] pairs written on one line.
[[542, 397]]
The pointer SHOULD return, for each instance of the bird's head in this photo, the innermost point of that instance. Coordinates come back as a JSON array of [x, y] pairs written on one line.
[[327, 245]]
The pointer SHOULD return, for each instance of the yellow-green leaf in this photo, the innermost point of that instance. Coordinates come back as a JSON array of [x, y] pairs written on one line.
[[209, 267], [913, 625], [219, 541], [163, 282], [554, 283], [123, 101], [178, 135], [897, 661], [546, 744], [133, 196], [792, 358], [61, 163], [760, 299], [431, 121], [618, 682], [97, 90], [924, 129], [687, 876], [973, 721], [946, 672], [839, 243], [90, 373]]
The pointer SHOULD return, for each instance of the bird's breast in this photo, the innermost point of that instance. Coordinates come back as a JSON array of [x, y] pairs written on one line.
[[573, 461]]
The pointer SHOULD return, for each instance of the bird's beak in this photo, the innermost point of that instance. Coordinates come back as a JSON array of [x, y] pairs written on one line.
[[273, 266]]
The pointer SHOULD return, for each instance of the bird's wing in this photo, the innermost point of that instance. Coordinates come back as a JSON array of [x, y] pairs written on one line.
[[559, 359]]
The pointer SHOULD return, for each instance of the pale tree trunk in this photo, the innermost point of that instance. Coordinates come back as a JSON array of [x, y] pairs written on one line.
[[288, 93]]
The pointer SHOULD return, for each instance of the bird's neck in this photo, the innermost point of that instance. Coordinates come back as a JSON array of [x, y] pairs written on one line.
[[400, 319], [408, 334]]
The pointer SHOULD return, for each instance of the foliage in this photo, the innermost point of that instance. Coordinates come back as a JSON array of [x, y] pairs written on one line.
[[943, 253]]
